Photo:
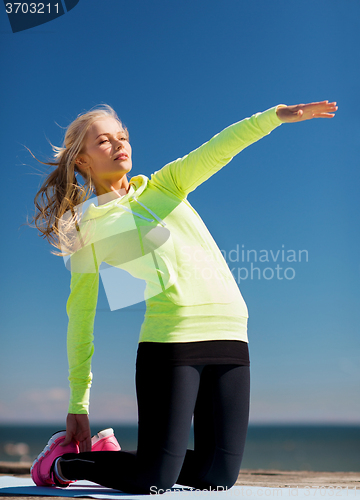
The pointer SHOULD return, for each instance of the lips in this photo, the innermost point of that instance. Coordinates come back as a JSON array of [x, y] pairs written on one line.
[[121, 156]]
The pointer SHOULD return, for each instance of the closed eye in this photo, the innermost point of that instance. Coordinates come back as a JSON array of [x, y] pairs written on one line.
[[122, 138]]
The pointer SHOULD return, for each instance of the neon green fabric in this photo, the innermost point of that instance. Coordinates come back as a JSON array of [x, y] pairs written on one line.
[[191, 294]]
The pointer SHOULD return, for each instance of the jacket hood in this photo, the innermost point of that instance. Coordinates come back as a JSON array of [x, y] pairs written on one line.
[[92, 211], [137, 186]]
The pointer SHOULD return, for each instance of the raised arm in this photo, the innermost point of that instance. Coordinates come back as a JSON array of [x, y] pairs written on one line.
[[184, 174]]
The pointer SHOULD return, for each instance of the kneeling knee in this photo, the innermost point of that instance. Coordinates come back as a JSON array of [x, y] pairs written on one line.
[[221, 482]]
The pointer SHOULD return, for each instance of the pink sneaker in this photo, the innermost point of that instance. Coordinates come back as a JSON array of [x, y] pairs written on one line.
[[105, 441], [42, 472], [42, 468]]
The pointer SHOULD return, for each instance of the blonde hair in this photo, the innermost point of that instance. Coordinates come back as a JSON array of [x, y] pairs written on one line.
[[61, 191]]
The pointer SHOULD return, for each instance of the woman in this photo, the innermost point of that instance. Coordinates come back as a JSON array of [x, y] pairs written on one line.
[[192, 357]]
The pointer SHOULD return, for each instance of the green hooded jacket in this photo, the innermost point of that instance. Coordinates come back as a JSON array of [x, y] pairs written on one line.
[[153, 234]]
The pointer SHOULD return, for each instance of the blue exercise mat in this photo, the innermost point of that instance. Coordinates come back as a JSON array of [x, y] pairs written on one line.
[[10, 485]]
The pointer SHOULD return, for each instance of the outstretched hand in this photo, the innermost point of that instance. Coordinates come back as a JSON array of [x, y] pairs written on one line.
[[78, 430], [302, 112]]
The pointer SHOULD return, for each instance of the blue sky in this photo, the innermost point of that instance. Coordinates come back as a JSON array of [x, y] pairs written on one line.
[[177, 73]]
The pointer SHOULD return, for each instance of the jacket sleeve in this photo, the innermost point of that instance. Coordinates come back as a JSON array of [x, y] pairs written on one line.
[[185, 174], [81, 309]]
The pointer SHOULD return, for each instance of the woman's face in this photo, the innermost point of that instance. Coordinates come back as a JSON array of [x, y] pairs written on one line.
[[106, 152]]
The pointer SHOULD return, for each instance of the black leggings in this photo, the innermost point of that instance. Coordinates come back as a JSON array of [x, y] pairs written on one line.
[[168, 397]]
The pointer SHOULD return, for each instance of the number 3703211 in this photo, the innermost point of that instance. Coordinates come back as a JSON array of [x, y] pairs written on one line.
[[31, 8]]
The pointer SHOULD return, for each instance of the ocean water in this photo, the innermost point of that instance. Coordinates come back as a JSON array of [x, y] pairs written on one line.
[[315, 448]]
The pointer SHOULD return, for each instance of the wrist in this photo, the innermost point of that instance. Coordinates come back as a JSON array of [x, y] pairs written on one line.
[[278, 110]]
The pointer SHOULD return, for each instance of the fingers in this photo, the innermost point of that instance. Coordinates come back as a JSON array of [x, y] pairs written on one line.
[[67, 439], [78, 430], [323, 109], [84, 442], [85, 445], [320, 104], [323, 115]]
